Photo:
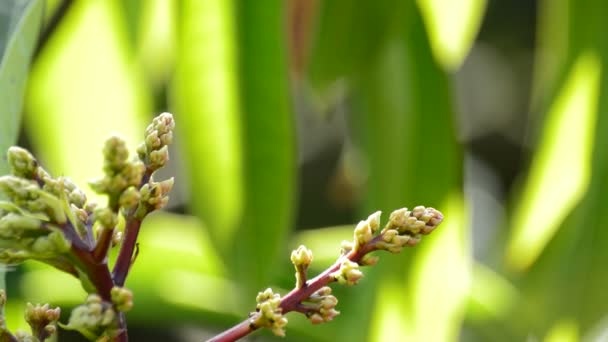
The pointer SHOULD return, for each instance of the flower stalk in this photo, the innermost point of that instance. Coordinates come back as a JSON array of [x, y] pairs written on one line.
[[50, 220], [313, 297]]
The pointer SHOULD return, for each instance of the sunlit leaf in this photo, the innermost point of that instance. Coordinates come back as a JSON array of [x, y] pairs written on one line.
[[82, 88], [491, 296], [405, 127], [561, 168], [563, 331], [269, 150], [20, 22], [206, 102], [452, 26]]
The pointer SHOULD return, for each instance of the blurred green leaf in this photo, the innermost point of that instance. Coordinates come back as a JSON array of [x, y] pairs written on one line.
[[205, 96], [561, 168], [78, 96], [452, 27], [573, 259], [565, 330], [404, 122], [350, 33], [268, 133], [19, 27]]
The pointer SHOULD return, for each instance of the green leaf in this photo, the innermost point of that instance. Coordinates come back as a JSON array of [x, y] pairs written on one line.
[[349, 35], [238, 130], [205, 95], [405, 125], [83, 88], [268, 134], [452, 27], [561, 169], [19, 27]]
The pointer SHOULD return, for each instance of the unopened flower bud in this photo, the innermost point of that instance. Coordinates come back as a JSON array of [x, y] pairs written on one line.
[[122, 298], [106, 217], [301, 256], [22, 163], [348, 274], [129, 198], [270, 315]]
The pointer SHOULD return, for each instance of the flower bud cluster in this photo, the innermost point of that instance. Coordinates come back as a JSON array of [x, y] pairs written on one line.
[[27, 195], [348, 274], [122, 298], [94, 318], [154, 151], [321, 306], [42, 320], [406, 228], [153, 196], [301, 259], [270, 314], [120, 173], [365, 230]]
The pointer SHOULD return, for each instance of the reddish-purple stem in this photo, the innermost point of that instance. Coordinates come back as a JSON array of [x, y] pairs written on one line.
[[292, 300], [125, 255]]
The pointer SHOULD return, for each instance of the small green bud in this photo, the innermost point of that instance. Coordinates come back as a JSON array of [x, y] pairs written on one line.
[[158, 158], [301, 257], [115, 153], [129, 198], [346, 247], [270, 315], [321, 306], [122, 298], [22, 162], [363, 234], [374, 221], [94, 318], [77, 197], [348, 274], [13, 225], [42, 319], [159, 134], [369, 260], [420, 220], [106, 217]]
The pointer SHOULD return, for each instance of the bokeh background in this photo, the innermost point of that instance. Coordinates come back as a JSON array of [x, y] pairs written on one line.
[[297, 118]]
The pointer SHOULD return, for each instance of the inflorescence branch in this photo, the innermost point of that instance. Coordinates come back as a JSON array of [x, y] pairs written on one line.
[[313, 297], [50, 220]]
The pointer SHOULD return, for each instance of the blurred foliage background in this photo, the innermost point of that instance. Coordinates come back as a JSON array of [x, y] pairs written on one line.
[[297, 118]]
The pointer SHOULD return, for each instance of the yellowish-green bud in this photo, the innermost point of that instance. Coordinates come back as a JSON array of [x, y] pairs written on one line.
[[52, 244], [346, 247], [77, 197], [374, 221], [369, 260], [93, 318], [122, 298], [42, 319], [363, 234], [22, 162], [105, 217], [270, 315], [301, 256], [348, 274], [158, 158], [129, 198], [115, 153]]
